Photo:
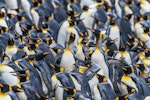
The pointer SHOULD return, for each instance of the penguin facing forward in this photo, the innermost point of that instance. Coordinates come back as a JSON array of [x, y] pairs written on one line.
[[68, 56], [11, 49], [114, 32]]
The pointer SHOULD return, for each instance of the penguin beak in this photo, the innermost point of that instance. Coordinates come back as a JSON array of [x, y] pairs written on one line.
[[20, 89], [52, 66], [64, 88], [1, 85], [38, 95], [90, 29], [124, 69]]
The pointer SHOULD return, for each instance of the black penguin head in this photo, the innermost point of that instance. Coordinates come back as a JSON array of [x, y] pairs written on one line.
[[128, 69], [20, 18], [129, 1], [112, 21], [45, 26], [17, 89], [32, 46], [36, 3], [122, 48], [1, 14], [4, 88], [128, 17], [101, 78], [141, 67], [23, 77], [109, 42], [29, 27], [71, 38], [47, 18], [85, 8], [11, 41], [146, 29], [19, 10], [4, 29], [70, 91], [72, 1], [147, 52], [42, 55]]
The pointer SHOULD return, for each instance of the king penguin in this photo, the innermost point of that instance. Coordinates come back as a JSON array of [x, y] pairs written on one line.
[[11, 49], [68, 56], [114, 32]]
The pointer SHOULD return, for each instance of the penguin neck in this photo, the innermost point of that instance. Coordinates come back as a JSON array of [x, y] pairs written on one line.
[[79, 46], [1, 18], [11, 46], [67, 49], [44, 31], [96, 47], [70, 98]]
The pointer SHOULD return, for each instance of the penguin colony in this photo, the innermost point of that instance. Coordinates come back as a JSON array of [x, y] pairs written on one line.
[[74, 50]]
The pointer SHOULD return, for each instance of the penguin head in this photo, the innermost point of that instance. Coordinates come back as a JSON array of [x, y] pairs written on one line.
[[71, 38], [4, 29], [72, 1], [138, 18], [32, 46], [45, 26], [42, 55], [112, 21], [36, 3], [11, 41], [85, 8], [146, 29], [20, 18], [29, 27], [26, 72], [101, 78], [128, 17], [4, 88], [122, 48], [109, 42], [128, 70], [147, 52], [70, 91], [2, 14], [129, 1], [17, 89], [47, 18], [141, 67], [23, 77], [19, 10]]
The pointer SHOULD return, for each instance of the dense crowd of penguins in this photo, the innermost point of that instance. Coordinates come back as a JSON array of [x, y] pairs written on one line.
[[74, 50]]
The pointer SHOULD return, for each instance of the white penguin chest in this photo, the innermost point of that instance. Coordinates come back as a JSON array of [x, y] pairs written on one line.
[[10, 51], [80, 54], [67, 60]]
